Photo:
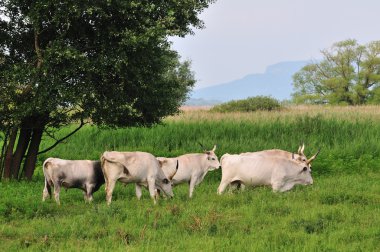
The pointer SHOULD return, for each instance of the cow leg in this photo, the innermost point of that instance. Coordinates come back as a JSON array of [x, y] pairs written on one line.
[[57, 189], [237, 185], [85, 196], [110, 187], [152, 189], [158, 192], [242, 187], [47, 191], [193, 182], [89, 191], [234, 186], [222, 186], [89, 197], [138, 191]]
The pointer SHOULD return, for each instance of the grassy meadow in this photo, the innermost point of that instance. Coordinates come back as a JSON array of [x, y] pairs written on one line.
[[339, 212]]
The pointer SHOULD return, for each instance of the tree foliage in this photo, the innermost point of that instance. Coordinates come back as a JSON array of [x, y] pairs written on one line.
[[109, 62], [251, 104], [349, 73]]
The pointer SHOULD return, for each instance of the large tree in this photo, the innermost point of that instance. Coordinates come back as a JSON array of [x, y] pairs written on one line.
[[349, 73], [108, 62]]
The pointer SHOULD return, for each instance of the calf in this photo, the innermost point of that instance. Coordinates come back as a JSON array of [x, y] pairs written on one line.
[[83, 174]]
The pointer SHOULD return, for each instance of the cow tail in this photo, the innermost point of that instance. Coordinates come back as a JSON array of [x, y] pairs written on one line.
[[46, 175], [102, 165]]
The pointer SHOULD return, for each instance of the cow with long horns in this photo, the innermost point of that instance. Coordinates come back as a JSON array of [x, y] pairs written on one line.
[[281, 173]]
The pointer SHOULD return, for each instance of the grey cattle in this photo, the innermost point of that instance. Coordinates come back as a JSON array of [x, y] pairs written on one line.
[[278, 172], [83, 174], [192, 168], [141, 168]]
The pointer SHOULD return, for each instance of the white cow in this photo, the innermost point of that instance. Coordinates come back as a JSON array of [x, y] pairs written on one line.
[[192, 168], [300, 156], [83, 174], [141, 168], [255, 170]]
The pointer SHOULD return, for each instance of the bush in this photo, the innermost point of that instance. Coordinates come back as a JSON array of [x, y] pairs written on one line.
[[248, 105]]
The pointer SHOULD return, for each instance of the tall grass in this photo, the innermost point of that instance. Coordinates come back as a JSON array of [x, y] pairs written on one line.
[[339, 212], [349, 145]]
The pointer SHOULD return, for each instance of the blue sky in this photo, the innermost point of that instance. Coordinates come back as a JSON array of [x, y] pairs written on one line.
[[245, 36]]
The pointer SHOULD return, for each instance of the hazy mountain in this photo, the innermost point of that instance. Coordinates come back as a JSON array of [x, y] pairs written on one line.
[[275, 82]]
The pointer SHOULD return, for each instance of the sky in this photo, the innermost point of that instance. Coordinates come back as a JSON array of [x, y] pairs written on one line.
[[245, 36]]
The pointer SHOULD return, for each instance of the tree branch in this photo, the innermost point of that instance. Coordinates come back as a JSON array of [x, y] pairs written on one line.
[[64, 138], [38, 50]]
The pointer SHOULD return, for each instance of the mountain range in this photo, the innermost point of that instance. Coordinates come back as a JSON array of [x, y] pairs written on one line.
[[276, 82]]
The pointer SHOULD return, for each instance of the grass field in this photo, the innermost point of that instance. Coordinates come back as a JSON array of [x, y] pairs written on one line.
[[339, 212]]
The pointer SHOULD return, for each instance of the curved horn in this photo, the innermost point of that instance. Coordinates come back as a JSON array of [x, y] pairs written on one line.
[[313, 157], [213, 149], [302, 149], [176, 169]]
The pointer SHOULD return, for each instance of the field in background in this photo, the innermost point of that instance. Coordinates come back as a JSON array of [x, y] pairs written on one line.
[[340, 212]]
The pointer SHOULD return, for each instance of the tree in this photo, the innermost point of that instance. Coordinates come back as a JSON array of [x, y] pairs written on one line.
[[108, 62], [349, 73]]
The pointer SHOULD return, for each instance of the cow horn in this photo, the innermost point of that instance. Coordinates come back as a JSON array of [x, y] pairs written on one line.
[[313, 157], [302, 149], [213, 149], [176, 169], [292, 155]]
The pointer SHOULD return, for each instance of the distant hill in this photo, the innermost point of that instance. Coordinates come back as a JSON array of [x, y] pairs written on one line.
[[275, 82]]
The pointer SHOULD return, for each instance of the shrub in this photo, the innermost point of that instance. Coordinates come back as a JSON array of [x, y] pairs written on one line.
[[248, 105]]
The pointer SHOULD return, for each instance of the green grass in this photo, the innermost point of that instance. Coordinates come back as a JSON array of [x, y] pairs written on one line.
[[339, 212]]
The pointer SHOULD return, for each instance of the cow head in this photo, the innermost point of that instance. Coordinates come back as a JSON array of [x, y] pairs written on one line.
[[301, 174], [300, 156], [212, 159], [163, 181]]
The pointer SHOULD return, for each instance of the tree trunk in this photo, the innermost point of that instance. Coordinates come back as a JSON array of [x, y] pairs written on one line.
[[22, 145], [9, 153], [3, 150], [31, 157]]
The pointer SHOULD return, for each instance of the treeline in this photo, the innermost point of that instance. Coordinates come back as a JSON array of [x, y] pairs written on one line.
[[348, 74]]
